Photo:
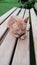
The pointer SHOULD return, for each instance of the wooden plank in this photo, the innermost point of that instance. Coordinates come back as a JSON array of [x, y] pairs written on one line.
[[21, 13], [26, 13], [6, 49], [3, 17], [21, 56], [35, 6], [34, 30], [3, 27], [16, 12]]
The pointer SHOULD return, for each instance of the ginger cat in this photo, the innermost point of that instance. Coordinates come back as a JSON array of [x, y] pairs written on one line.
[[17, 26]]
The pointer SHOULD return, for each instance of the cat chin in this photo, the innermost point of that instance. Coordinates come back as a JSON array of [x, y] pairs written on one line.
[[22, 37], [14, 35]]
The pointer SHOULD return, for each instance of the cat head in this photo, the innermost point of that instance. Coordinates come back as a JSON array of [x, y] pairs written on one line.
[[17, 19], [16, 24]]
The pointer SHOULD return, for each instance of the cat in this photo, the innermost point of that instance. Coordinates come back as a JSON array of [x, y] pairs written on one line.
[[17, 26]]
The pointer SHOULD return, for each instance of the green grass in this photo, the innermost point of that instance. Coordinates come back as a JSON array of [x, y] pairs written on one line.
[[6, 5]]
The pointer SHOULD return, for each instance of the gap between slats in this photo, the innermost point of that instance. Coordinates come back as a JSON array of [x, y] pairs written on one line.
[[34, 32], [32, 52]]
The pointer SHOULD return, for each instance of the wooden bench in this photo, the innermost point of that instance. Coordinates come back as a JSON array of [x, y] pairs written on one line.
[[13, 51]]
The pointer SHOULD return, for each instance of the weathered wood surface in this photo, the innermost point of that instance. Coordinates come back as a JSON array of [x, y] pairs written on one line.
[[6, 49], [21, 13], [34, 30], [21, 56]]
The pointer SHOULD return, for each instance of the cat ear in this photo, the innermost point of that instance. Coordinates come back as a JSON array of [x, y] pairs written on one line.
[[26, 19], [12, 20]]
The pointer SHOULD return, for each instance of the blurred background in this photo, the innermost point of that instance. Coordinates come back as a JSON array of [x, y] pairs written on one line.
[[6, 5]]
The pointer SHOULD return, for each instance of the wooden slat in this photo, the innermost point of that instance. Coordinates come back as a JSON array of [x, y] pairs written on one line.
[[26, 13], [3, 17], [16, 12], [6, 49], [21, 13], [3, 27], [34, 30], [21, 56]]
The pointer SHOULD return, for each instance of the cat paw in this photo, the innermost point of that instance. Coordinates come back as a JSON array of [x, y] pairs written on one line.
[[23, 37]]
